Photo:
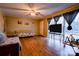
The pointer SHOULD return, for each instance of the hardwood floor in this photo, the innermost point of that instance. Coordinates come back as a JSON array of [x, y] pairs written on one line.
[[35, 46], [45, 46]]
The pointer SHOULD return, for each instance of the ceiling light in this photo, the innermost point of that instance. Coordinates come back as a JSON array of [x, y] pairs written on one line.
[[32, 14]]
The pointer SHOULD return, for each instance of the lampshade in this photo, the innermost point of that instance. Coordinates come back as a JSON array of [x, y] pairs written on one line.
[[2, 37]]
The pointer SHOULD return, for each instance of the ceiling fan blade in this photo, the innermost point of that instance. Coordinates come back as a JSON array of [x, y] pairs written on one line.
[[44, 8], [30, 5], [42, 15], [13, 8]]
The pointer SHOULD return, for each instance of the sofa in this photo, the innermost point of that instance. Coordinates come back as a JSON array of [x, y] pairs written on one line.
[[21, 33]]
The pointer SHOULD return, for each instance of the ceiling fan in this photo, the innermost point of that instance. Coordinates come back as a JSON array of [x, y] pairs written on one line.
[[32, 11]]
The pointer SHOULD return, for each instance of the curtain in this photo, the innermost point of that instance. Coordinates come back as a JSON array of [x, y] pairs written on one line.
[[69, 17], [56, 19], [49, 20]]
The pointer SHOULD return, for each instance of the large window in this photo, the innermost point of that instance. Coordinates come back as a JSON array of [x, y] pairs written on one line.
[[75, 25], [75, 28], [65, 31]]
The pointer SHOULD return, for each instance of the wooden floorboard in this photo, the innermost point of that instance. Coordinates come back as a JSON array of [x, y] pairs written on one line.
[[35, 46]]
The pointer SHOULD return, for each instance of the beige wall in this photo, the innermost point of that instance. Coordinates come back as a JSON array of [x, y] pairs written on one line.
[[1, 22], [38, 27], [12, 25]]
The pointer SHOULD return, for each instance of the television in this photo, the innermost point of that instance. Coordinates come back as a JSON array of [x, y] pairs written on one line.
[[55, 28]]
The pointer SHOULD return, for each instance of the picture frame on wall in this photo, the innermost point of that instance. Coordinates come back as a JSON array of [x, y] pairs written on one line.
[[19, 22]]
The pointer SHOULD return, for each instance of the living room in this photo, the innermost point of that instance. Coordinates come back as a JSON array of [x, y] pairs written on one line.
[[28, 25]]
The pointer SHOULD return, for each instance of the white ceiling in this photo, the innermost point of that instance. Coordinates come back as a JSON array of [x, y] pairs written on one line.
[[23, 9]]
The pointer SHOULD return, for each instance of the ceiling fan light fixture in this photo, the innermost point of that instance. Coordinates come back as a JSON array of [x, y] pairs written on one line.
[[32, 14]]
